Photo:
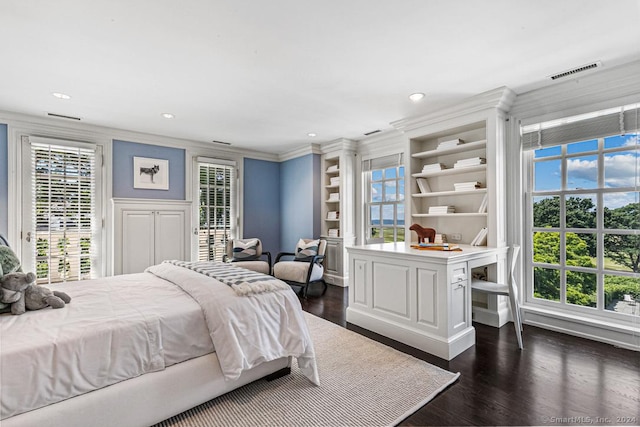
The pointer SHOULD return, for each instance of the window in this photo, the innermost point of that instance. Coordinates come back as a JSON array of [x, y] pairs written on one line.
[[61, 241], [385, 199], [217, 213], [585, 213]]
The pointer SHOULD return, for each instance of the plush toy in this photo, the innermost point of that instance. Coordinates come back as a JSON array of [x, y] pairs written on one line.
[[37, 297], [12, 290]]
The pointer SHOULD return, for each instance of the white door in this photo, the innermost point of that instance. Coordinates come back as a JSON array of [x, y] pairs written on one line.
[[169, 236], [61, 212]]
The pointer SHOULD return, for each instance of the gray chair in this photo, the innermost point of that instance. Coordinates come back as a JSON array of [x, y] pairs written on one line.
[[306, 267], [509, 289], [247, 253]]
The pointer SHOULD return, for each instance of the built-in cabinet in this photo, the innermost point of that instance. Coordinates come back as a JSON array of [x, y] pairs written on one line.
[[149, 232], [338, 163], [457, 184]]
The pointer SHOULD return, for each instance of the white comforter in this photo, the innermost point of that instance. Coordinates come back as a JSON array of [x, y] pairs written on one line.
[[247, 330], [121, 327]]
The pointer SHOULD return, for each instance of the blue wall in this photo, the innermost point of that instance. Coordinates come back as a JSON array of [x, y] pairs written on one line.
[[4, 180], [262, 203], [299, 200], [123, 153]]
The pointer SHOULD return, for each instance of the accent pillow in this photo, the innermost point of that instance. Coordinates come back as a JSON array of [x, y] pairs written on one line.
[[245, 251], [9, 262], [306, 251]]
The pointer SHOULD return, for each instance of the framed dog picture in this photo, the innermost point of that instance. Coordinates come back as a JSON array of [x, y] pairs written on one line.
[[150, 173]]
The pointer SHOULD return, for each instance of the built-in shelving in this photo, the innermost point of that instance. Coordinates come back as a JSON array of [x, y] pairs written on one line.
[[467, 146], [450, 193], [450, 171]]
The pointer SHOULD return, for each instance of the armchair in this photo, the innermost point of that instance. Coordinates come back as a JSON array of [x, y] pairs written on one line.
[[305, 268], [246, 253]]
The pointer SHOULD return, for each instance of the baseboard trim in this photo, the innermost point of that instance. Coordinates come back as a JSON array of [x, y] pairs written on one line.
[[623, 336]]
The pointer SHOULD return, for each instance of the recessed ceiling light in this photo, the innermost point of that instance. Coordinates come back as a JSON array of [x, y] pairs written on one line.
[[167, 115], [311, 134], [415, 97], [61, 95]]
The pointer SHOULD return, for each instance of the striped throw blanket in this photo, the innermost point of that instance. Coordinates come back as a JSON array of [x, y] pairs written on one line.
[[242, 281]]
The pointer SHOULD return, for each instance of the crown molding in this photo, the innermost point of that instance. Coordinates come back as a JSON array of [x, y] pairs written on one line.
[[501, 99], [57, 128], [338, 144], [601, 89], [299, 152]]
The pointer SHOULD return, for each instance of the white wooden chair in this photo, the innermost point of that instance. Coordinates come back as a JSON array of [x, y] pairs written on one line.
[[509, 289]]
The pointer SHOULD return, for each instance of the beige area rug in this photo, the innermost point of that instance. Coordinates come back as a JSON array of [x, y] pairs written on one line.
[[363, 383]]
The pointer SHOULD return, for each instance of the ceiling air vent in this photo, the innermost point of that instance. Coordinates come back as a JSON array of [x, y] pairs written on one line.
[[221, 142], [372, 132], [577, 70], [60, 116]]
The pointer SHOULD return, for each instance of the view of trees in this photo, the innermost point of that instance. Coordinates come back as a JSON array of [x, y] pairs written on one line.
[[581, 251]]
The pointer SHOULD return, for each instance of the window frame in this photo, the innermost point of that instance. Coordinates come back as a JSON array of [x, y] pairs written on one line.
[[599, 192], [369, 203]]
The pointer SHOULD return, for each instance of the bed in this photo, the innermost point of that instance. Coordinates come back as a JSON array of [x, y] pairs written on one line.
[[136, 349]]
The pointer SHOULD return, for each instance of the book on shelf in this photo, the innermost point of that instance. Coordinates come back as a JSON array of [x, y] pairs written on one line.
[[332, 168], [480, 238], [423, 185], [433, 167], [483, 204], [334, 180], [466, 186], [441, 209], [334, 197], [333, 215], [474, 161], [450, 143], [333, 232]]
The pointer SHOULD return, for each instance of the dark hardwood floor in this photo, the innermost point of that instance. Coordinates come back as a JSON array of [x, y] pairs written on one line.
[[557, 379]]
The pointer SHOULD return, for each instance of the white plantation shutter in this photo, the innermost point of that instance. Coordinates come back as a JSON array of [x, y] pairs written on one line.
[[63, 180], [217, 207]]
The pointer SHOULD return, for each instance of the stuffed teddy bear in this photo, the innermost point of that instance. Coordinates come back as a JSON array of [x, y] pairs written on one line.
[[37, 297], [12, 290]]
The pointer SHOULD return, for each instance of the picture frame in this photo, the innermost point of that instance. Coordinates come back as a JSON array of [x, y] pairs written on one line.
[[152, 174]]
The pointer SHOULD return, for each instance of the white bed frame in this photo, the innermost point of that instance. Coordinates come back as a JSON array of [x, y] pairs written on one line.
[[147, 399]]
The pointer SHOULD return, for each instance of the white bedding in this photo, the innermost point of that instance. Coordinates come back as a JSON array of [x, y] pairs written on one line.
[[124, 326], [247, 330]]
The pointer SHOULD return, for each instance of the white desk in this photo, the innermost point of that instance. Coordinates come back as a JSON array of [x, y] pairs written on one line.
[[419, 297]]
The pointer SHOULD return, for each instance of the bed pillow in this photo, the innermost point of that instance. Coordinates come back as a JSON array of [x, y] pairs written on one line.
[[306, 250], [9, 262], [245, 250]]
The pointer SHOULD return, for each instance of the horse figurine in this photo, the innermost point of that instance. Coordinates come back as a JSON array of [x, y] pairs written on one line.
[[426, 235]]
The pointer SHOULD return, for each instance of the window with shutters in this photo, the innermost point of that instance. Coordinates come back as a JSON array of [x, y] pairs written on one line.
[[217, 211], [385, 199], [584, 215], [63, 220]]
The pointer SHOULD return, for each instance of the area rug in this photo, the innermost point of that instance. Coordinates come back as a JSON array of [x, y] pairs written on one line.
[[363, 383]]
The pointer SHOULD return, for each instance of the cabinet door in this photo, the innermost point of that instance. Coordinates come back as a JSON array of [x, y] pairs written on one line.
[[169, 236], [333, 257], [138, 232]]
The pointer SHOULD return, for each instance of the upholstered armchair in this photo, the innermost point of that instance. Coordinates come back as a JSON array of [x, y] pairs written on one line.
[[304, 266], [247, 253]]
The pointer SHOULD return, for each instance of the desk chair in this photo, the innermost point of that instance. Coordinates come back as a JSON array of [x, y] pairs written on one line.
[[509, 289]]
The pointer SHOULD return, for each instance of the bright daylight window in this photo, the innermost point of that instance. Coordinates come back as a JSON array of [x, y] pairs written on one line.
[[385, 199], [217, 217], [63, 209], [585, 214]]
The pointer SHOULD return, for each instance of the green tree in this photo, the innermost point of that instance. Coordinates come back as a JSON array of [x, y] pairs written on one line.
[[623, 249], [581, 287]]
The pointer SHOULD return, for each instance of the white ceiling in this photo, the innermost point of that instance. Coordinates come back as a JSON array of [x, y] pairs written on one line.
[[262, 74]]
